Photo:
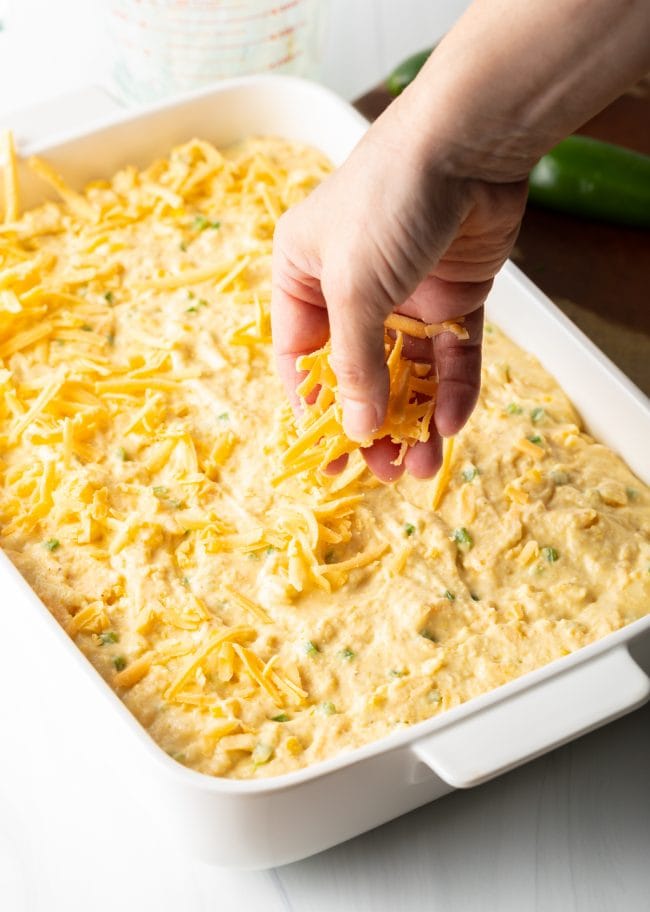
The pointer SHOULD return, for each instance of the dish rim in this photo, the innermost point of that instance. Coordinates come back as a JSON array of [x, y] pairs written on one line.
[[396, 740]]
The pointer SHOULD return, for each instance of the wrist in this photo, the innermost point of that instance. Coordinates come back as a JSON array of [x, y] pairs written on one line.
[[467, 138], [510, 80]]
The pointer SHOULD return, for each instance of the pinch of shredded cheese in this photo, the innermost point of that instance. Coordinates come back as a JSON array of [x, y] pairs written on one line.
[[321, 438], [411, 327]]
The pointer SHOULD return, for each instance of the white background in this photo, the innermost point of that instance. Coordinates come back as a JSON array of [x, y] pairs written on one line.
[[50, 47], [568, 832]]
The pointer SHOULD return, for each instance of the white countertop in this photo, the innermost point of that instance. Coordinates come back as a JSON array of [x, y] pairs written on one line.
[[570, 831], [567, 833]]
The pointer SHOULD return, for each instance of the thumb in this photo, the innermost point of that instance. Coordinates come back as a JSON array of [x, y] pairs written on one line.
[[357, 332]]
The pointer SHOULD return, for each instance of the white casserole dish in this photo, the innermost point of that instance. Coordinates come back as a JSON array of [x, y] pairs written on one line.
[[62, 713]]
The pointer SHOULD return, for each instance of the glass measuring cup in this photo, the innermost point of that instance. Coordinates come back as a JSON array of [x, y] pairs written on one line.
[[163, 47]]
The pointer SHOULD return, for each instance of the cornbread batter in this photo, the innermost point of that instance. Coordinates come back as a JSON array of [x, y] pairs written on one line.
[[256, 621]]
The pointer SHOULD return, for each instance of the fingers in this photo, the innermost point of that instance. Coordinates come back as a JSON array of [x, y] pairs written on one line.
[[458, 361], [357, 332], [459, 375], [307, 329], [380, 457], [424, 459], [436, 299], [337, 466], [306, 310], [299, 322], [351, 292]]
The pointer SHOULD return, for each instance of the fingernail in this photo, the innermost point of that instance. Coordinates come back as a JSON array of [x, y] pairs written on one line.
[[359, 419]]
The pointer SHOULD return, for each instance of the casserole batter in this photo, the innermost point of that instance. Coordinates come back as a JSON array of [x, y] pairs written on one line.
[[256, 621]]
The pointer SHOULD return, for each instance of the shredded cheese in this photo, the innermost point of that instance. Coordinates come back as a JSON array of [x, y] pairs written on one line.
[[528, 448], [412, 327], [133, 672], [107, 449], [158, 494], [10, 178], [248, 605], [321, 438], [443, 476], [77, 203], [210, 645]]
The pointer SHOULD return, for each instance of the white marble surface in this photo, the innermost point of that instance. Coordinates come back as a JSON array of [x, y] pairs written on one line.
[[570, 831]]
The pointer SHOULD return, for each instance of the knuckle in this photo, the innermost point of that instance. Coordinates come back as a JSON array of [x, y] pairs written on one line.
[[351, 375], [355, 287], [283, 235], [340, 284], [352, 297]]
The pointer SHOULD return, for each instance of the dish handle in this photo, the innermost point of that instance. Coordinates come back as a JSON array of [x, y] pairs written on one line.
[[528, 723]]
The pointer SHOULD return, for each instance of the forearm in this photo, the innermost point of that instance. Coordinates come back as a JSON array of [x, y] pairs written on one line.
[[512, 78]]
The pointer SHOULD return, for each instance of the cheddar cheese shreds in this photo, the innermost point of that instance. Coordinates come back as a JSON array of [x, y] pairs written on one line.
[[321, 438], [255, 613], [411, 402]]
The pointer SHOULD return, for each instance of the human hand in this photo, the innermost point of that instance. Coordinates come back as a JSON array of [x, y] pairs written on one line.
[[427, 207], [392, 229]]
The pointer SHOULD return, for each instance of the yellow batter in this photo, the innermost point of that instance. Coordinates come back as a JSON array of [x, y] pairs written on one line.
[[256, 627]]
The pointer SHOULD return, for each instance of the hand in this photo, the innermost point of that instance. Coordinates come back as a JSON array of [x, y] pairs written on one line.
[[426, 209], [391, 229]]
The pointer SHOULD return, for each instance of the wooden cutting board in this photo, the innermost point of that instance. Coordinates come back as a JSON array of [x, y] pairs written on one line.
[[598, 274]]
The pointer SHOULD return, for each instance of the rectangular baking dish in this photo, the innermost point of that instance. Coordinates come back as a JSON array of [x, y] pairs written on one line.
[[55, 706]]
